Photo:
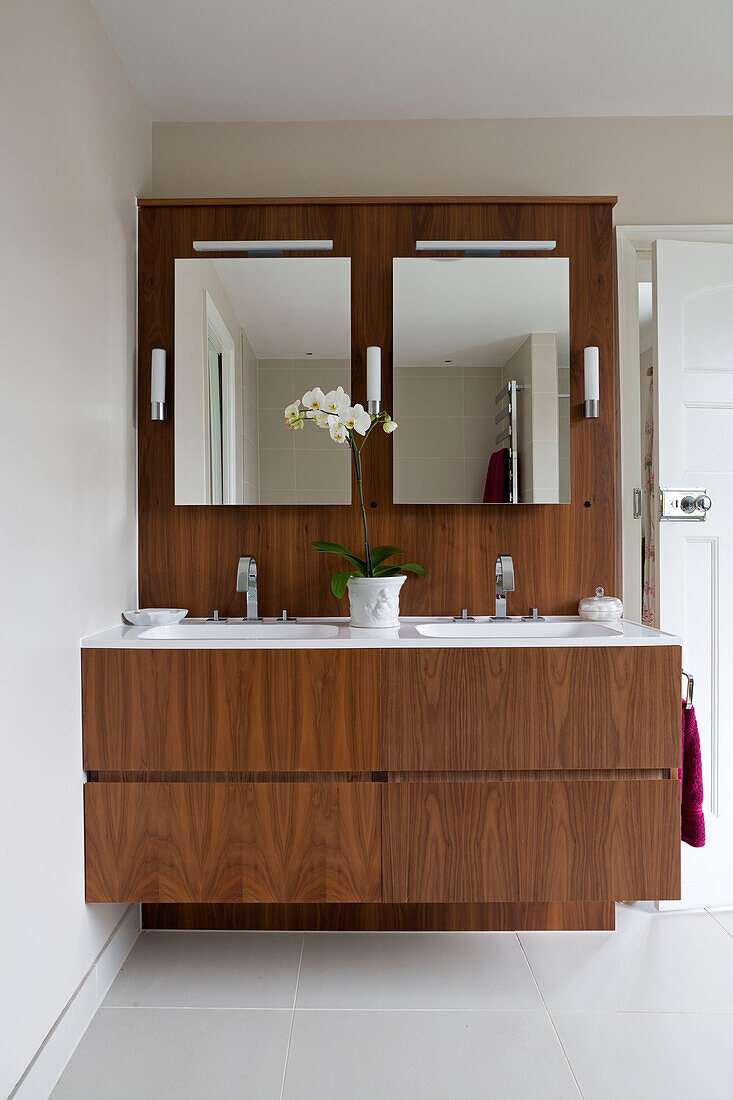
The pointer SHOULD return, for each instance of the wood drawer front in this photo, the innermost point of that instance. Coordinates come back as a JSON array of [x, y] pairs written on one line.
[[531, 841], [230, 710], [562, 708], [233, 842]]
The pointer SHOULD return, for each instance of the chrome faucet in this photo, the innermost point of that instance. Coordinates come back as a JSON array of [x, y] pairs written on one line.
[[247, 582], [503, 583]]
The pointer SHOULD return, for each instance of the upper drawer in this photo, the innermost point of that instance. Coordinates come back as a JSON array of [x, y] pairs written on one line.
[[492, 709], [230, 710]]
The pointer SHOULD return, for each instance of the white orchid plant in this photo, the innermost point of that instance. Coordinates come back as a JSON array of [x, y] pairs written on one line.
[[346, 423]]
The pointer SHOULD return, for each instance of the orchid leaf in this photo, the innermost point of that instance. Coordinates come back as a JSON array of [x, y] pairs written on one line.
[[337, 548], [339, 582], [381, 553], [387, 570], [413, 568]]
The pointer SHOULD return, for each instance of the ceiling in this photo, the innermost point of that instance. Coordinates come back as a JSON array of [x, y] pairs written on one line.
[[477, 312], [308, 60], [291, 308]]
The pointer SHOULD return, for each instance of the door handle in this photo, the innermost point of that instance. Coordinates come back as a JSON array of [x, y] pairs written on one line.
[[690, 504]]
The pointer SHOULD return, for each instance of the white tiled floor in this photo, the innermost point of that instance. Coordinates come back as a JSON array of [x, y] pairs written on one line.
[[645, 1011]]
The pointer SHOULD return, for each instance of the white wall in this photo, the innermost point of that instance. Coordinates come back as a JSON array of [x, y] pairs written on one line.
[[671, 170], [76, 147]]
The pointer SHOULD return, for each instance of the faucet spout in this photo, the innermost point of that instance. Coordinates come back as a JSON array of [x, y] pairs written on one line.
[[503, 583], [247, 583]]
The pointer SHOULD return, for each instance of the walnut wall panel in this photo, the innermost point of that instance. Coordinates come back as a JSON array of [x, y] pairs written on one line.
[[564, 708], [536, 841], [245, 842], [188, 555], [230, 710]]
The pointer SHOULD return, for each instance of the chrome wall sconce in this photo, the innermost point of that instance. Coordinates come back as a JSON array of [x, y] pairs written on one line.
[[374, 380], [158, 410], [592, 383]]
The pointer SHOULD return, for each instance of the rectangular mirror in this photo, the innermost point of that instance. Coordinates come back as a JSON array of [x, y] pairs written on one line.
[[481, 381], [252, 334]]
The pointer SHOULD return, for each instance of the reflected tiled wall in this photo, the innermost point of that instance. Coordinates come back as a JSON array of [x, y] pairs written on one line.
[[446, 432], [303, 467]]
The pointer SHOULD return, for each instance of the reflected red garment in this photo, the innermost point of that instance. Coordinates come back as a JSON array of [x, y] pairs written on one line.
[[496, 477], [693, 819]]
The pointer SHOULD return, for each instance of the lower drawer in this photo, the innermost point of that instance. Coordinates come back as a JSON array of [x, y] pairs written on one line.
[[560, 840], [233, 842]]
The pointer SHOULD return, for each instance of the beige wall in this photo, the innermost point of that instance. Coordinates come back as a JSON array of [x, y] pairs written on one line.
[[662, 169], [446, 416], [76, 147]]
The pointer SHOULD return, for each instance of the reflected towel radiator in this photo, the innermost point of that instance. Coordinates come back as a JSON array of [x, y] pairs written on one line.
[[509, 393]]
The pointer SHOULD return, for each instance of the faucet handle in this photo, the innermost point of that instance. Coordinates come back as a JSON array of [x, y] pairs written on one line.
[[533, 617], [285, 618], [246, 573], [504, 573], [464, 617]]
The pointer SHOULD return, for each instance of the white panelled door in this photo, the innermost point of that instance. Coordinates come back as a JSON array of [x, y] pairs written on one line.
[[693, 366]]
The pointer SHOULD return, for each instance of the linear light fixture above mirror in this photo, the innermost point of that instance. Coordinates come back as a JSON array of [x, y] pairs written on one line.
[[263, 248], [485, 248]]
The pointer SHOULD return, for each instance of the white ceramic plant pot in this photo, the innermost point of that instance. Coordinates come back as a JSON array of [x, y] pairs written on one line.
[[375, 601]]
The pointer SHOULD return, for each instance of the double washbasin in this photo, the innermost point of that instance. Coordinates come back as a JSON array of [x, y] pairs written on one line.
[[514, 629]]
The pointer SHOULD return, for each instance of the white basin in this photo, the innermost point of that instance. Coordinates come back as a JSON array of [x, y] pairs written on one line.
[[244, 631], [518, 629]]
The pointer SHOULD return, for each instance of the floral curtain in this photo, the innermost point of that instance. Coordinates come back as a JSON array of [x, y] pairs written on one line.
[[649, 514]]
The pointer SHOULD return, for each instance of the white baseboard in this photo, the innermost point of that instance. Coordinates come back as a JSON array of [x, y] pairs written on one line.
[[51, 1058]]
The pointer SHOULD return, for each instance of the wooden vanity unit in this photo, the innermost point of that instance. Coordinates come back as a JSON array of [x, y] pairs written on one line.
[[492, 788], [393, 787]]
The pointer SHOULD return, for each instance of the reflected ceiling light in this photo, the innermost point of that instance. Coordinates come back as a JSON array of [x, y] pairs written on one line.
[[263, 248], [485, 248]]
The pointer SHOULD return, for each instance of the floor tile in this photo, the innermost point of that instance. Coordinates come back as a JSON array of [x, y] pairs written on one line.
[[653, 962], [146, 1053], [658, 1056], [431, 1055], [210, 970], [724, 917], [415, 970]]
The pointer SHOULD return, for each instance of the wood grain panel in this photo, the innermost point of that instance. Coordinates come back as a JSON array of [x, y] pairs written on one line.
[[209, 842], [230, 710], [556, 841], [563, 708], [188, 555], [384, 917]]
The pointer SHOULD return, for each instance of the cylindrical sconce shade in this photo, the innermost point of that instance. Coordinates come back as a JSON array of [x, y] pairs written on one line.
[[592, 382], [374, 379], [157, 384]]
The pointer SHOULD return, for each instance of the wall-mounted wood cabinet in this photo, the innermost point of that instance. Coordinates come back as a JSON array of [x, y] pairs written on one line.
[[252, 777]]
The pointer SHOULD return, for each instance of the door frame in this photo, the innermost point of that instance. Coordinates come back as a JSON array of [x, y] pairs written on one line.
[[633, 248]]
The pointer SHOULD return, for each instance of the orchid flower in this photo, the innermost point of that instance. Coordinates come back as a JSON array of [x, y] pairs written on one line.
[[315, 398], [357, 419], [336, 401], [294, 415], [338, 431]]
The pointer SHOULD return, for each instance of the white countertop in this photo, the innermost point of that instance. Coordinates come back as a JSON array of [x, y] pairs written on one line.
[[555, 631]]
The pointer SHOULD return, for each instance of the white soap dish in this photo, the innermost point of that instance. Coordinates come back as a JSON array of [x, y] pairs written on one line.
[[155, 616]]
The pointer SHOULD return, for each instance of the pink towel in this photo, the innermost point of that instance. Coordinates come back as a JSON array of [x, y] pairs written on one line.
[[693, 820]]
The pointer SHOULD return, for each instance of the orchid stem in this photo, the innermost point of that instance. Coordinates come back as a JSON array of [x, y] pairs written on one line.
[[356, 452]]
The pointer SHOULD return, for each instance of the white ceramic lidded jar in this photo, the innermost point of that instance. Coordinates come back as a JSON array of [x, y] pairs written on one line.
[[600, 608]]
